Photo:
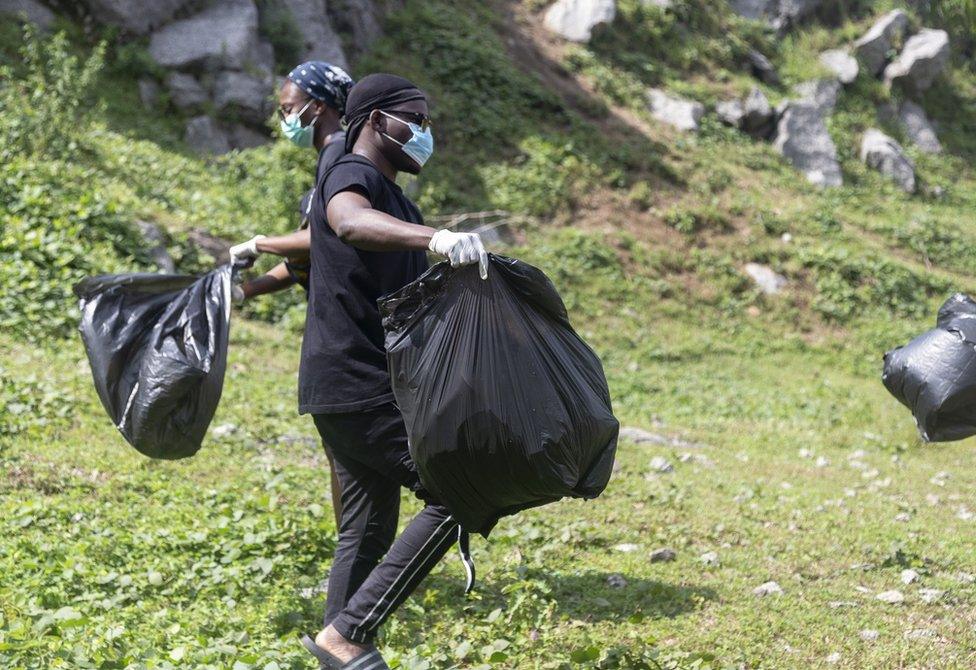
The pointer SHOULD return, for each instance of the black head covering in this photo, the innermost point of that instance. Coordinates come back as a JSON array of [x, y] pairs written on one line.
[[323, 81], [375, 91]]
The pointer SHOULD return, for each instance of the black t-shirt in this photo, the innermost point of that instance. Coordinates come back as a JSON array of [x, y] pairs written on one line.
[[344, 366], [334, 149]]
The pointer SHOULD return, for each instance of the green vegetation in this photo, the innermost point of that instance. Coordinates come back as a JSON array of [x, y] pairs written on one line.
[[811, 476]]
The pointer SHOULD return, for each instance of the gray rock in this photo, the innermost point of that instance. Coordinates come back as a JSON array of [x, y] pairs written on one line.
[[758, 118], [575, 19], [868, 635], [148, 92], [821, 93], [223, 430], [639, 436], [249, 95], [204, 136], [768, 280], [834, 658], [885, 155], [626, 548], [156, 241], [224, 34], [920, 62], [29, 10], [320, 40], [930, 595], [891, 597], [709, 558], [908, 576], [841, 64], [762, 68], [661, 465], [874, 48], [768, 589], [731, 112], [802, 137], [245, 137], [674, 111], [185, 91], [918, 128], [663, 555], [361, 20], [616, 581], [780, 14], [137, 17]]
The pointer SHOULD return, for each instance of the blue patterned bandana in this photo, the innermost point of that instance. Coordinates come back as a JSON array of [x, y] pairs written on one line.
[[324, 82]]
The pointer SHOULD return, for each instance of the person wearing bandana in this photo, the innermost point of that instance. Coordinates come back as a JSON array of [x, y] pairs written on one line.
[[310, 104], [367, 240]]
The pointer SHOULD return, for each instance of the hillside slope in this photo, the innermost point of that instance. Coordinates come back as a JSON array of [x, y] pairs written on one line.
[[790, 461]]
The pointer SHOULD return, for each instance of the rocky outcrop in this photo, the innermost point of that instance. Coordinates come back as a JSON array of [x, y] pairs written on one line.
[[753, 115], [30, 10], [841, 64], [248, 95], [224, 35], [674, 111], [920, 62], [917, 127], [319, 39], [185, 90], [802, 137], [575, 20], [205, 136], [136, 17], [874, 48], [821, 93], [884, 154]]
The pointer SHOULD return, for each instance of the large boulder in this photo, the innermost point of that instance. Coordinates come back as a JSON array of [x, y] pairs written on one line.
[[205, 136], [674, 111], [185, 91], [920, 62], [885, 155], [731, 112], [841, 64], [249, 95], [137, 17], [576, 19], [802, 137], [918, 128], [223, 35], [874, 48], [360, 21], [30, 10], [821, 93], [319, 39]]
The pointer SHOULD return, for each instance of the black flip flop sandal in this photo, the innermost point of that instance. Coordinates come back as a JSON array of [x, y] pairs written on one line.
[[371, 660]]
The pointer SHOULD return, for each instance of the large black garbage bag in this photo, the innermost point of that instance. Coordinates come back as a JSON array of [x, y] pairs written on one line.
[[506, 407], [934, 375], [157, 345]]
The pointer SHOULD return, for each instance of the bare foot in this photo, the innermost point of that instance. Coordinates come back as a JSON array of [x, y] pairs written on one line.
[[343, 649]]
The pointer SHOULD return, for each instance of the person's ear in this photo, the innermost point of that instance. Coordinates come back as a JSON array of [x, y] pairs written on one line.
[[376, 121]]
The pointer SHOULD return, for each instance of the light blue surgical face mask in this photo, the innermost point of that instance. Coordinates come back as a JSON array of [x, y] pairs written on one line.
[[292, 128], [420, 147]]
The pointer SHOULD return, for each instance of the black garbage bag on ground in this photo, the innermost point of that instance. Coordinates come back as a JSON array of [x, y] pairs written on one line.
[[506, 407], [934, 375], [157, 345]]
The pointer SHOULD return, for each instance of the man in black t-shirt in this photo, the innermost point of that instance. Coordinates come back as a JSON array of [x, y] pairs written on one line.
[[368, 240]]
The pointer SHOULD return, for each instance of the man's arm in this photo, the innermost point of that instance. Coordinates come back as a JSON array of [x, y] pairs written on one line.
[[276, 279], [356, 223], [293, 244]]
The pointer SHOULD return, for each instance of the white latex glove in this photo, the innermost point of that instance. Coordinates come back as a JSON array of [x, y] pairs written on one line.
[[246, 250], [461, 249]]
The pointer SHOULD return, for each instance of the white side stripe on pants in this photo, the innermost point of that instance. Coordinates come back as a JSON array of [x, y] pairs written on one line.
[[423, 559]]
